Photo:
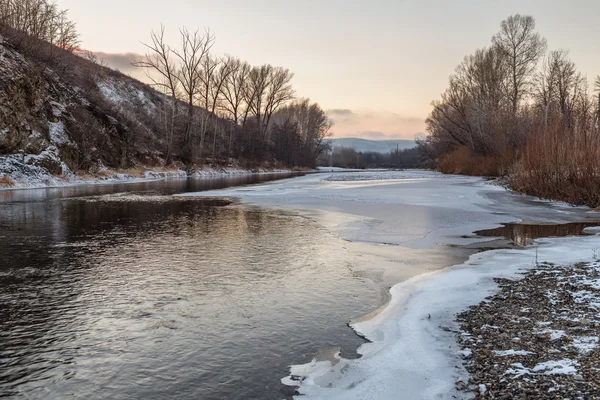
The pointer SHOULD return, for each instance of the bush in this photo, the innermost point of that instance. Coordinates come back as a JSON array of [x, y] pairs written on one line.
[[5, 181], [560, 163], [463, 161]]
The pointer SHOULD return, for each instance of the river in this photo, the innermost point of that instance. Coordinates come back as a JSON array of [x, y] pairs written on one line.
[[125, 291]]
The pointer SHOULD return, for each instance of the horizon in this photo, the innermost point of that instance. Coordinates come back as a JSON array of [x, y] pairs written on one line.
[[374, 82]]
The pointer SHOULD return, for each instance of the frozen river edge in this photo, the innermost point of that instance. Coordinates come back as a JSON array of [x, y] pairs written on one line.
[[413, 352]]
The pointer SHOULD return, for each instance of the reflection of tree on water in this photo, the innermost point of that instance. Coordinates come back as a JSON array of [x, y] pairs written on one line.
[[97, 284], [521, 234]]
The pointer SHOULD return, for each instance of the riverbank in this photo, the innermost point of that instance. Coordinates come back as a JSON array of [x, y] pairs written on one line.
[[18, 173], [537, 338]]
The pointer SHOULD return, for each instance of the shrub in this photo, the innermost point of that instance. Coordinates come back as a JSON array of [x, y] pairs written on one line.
[[6, 181], [560, 163]]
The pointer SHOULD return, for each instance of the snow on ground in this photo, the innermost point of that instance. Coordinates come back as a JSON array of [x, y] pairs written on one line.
[[23, 172], [17, 170], [413, 353], [124, 94], [210, 172], [511, 352], [58, 135], [410, 353], [384, 175], [338, 169]]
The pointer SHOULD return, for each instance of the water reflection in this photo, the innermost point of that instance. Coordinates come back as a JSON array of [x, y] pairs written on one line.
[[522, 234], [122, 296], [165, 186]]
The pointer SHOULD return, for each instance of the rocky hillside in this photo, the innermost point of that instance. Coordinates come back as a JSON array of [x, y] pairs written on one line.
[[61, 114]]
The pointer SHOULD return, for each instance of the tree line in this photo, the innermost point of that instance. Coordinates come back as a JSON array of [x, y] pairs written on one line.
[[347, 157], [221, 107], [517, 110], [215, 109], [41, 19]]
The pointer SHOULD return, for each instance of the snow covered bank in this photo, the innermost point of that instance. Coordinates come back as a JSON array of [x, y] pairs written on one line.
[[22, 172], [551, 317], [413, 354], [30, 171]]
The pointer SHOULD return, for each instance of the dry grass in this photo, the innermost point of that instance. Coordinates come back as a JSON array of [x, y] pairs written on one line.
[[463, 161], [561, 164], [5, 181]]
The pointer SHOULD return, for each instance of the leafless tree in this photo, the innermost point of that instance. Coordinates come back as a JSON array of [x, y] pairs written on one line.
[[234, 95], [218, 82], [279, 91], [162, 71], [301, 129], [523, 47], [258, 84], [195, 47], [41, 19], [597, 89], [234, 89], [208, 67]]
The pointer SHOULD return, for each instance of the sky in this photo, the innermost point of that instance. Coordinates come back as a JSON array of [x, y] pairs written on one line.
[[375, 65]]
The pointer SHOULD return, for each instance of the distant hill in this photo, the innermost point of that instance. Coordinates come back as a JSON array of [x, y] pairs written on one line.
[[372, 146]]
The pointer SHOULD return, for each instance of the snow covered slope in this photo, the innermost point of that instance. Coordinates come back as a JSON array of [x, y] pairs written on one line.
[[61, 113]]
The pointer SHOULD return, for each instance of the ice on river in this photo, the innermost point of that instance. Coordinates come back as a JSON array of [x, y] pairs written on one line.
[[413, 353]]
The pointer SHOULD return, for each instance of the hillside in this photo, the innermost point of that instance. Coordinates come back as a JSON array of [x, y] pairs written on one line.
[[372, 146], [64, 118], [61, 114]]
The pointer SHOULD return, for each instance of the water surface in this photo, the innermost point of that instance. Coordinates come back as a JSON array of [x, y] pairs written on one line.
[[523, 234], [122, 292]]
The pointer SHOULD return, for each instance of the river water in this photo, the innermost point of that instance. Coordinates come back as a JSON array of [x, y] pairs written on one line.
[[126, 291], [122, 291]]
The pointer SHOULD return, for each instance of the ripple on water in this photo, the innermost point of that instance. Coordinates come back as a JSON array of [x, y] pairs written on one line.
[[122, 297]]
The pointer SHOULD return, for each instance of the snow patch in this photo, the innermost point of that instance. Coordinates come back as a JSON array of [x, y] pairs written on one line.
[[410, 354], [585, 344], [559, 367], [382, 175], [551, 333], [110, 93], [58, 136], [509, 353], [554, 367]]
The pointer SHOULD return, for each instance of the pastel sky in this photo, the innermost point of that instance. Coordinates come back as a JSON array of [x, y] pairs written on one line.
[[375, 64]]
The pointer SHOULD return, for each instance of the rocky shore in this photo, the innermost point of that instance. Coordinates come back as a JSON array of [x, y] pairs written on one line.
[[537, 338]]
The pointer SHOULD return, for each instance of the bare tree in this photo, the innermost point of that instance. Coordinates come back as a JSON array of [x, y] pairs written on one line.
[[64, 33], [234, 89], [234, 95], [218, 82], [597, 88], [41, 19], [258, 83], [208, 68], [162, 72], [300, 132], [279, 92], [522, 47], [195, 47]]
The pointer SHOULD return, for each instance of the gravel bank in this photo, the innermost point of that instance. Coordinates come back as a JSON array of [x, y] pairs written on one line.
[[537, 338]]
